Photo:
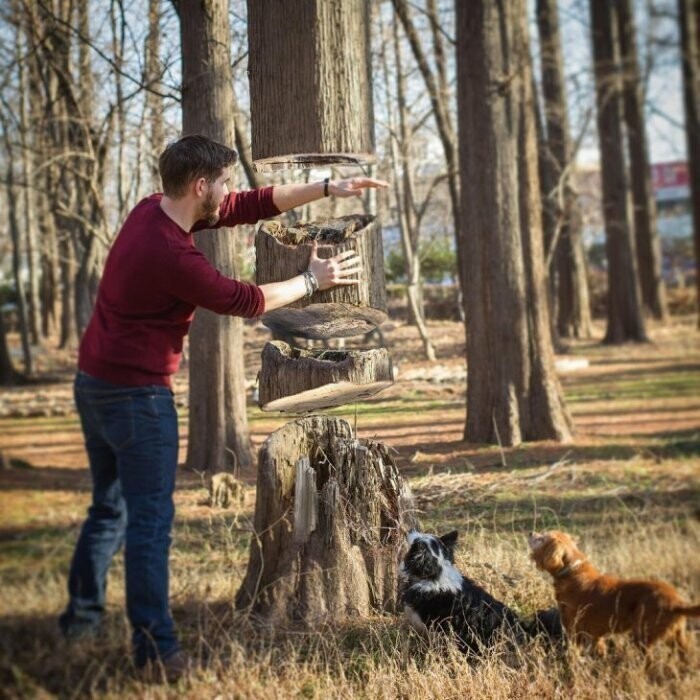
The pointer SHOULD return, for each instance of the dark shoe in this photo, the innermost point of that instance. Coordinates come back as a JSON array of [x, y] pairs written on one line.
[[168, 670], [76, 632]]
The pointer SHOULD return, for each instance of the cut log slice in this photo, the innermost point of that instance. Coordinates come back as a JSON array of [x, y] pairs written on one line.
[[342, 311], [331, 517], [296, 380], [311, 160]]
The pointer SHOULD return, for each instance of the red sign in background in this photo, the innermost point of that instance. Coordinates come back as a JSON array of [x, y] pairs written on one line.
[[665, 175]]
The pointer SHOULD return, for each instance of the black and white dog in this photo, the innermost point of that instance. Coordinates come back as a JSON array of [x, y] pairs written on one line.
[[437, 596]]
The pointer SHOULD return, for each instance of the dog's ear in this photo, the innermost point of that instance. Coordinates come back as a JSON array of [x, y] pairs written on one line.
[[450, 539]]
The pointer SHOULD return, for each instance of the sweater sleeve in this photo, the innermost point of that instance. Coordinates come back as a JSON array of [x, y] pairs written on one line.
[[189, 276], [244, 207]]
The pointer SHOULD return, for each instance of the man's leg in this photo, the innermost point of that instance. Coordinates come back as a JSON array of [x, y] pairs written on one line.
[[102, 533], [147, 474]]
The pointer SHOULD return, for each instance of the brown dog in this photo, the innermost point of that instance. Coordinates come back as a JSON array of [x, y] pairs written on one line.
[[593, 605]]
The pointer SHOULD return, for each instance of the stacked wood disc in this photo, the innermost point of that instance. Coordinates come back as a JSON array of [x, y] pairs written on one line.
[[308, 62], [331, 517], [342, 311], [292, 379]]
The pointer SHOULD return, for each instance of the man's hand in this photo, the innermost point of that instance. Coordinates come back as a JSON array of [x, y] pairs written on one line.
[[353, 187], [334, 271]]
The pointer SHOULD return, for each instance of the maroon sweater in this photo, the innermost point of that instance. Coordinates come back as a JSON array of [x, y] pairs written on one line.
[[153, 280]]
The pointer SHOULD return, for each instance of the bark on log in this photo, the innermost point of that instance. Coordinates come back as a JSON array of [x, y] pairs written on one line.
[[328, 531], [283, 252], [311, 62], [296, 380]]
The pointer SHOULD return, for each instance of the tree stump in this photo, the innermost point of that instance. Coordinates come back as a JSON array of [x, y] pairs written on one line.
[[331, 516], [311, 62], [296, 380], [283, 252]]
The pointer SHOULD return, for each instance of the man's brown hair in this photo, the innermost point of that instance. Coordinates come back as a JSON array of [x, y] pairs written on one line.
[[189, 158]]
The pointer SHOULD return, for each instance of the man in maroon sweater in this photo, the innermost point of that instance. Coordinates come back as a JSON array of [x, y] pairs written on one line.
[[153, 280]]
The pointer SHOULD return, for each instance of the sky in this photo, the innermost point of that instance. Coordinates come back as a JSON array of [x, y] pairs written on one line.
[[664, 97]]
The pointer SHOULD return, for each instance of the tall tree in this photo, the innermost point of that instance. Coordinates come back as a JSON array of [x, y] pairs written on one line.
[[689, 19], [513, 393], [646, 235], [154, 101], [27, 129], [218, 424], [565, 245], [409, 215], [624, 316], [437, 87]]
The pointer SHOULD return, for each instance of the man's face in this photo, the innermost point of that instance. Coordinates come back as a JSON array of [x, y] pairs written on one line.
[[214, 196]]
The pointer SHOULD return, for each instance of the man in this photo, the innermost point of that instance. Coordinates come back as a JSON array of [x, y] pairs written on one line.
[[153, 280]]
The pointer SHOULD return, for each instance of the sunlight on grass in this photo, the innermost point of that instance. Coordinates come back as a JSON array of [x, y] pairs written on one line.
[[631, 497]]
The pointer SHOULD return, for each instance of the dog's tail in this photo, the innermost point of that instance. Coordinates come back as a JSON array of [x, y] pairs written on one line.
[[545, 623], [687, 610]]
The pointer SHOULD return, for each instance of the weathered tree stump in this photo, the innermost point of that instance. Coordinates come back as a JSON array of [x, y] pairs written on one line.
[[311, 62], [331, 516], [339, 312], [296, 380]]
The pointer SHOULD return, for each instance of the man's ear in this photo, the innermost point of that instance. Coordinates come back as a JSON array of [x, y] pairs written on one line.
[[450, 539], [199, 186]]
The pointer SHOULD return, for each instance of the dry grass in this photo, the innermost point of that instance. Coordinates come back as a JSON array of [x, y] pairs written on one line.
[[629, 488], [378, 658]]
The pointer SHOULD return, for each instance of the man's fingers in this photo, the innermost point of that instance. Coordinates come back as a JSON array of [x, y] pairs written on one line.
[[351, 271], [372, 182], [345, 283], [349, 262], [346, 254], [314, 250]]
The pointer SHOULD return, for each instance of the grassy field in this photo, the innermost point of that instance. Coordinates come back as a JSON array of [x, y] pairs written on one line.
[[628, 488]]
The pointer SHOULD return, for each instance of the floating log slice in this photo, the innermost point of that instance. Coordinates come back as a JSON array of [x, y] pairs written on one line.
[[296, 380], [310, 61], [330, 521], [342, 311]]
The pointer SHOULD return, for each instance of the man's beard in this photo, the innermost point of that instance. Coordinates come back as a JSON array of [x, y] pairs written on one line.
[[209, 212]]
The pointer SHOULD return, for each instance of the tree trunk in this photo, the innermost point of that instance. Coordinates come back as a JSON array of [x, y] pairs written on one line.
[[8, 375], [646, 235], [440, 102], [549, 220], [69, 330], [27, 131], [513, 393], [296, 380], [405, 201], [154, 103], [218, 424], [320, 81], [689, 18], [15, 236], [573, 315], [330, 519], [625, 321], [346, 310]]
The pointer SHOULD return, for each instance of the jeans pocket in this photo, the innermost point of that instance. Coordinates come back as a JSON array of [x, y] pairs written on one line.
[[116, 420]]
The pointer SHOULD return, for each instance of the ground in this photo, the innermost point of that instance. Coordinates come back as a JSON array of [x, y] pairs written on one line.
[[628, 487]]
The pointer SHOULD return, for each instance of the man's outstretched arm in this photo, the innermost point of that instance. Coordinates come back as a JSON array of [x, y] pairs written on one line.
[[287, 197]]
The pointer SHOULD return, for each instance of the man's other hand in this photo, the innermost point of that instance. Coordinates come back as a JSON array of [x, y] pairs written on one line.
[[334, 271]]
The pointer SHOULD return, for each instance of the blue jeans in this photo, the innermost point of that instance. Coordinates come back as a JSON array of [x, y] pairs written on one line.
[[131, 437]]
